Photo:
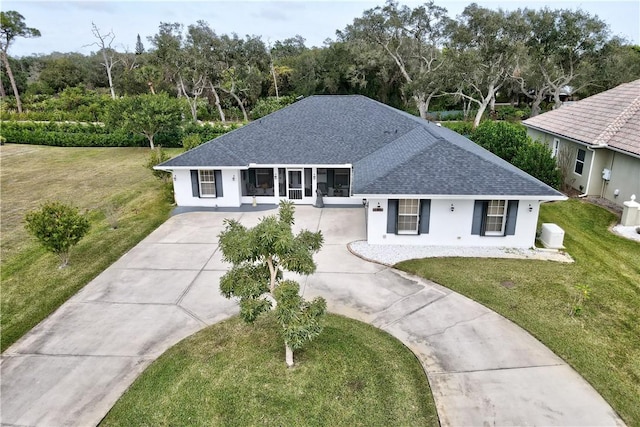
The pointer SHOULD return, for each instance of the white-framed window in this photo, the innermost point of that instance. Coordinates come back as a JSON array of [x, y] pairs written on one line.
[[556, 147], [580, 161], [408, 215], [495, 220], [207, 183]]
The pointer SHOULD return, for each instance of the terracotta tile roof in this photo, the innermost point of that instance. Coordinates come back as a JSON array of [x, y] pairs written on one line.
[[610, 118]]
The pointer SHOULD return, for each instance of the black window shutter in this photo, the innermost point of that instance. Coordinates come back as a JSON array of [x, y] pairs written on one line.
[[425, 211], [195, 185], [479, 215], [392, 216], [217, 175], [512, 215]]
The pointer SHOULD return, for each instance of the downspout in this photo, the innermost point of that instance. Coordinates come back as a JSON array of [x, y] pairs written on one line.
[[593, 158]]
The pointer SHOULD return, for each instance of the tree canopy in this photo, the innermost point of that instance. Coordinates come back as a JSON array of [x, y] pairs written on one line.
[[417, 58]]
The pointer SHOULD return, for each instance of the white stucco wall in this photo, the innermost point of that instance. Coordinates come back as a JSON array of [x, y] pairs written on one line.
[[230, 190], [448, 228]]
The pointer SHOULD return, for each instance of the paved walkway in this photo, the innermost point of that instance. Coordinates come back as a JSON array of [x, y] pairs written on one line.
[[483, 369]]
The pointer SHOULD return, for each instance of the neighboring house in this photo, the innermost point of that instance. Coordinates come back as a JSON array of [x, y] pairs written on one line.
[[598, 139], [421, 183]]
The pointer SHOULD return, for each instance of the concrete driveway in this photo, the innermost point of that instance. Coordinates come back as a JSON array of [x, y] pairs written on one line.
[[483, 369]]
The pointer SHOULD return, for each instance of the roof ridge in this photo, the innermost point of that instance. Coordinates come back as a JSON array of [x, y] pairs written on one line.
[[617, 124]]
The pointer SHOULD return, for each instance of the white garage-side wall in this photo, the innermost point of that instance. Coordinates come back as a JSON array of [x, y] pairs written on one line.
[[452, 228], [230, 186]]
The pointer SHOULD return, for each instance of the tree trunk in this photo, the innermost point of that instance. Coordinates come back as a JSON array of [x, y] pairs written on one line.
[[150, 138], [239, 101], [193, 102], [218, 106], [153, 91], [64, 259], [272, 275], [492, 104], [422, 103], [556, 99], [275, 79], [244, 112], [108, 66], [466, 109], [288, 356], [535, 105], [3, 94], [5, 59], [491, 95]]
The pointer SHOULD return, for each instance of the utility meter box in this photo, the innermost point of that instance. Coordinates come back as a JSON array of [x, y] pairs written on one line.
[[552, 236], [606, 174]]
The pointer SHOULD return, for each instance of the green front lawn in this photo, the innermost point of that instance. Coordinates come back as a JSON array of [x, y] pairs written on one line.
[[234, 374], [603, 342], [110, 184]]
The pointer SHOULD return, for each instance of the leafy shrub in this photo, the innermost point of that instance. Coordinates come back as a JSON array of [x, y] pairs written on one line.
[[512, 114], [157, 156], [463, 128], [57, 227], [270, 104], [510, 142], [501, 138], [191, 141], [535, 159], [209, 131]]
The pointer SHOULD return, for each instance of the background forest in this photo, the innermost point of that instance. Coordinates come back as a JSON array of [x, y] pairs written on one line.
[[417, 59]]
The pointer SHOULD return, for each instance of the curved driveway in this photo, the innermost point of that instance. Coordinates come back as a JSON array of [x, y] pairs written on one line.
[[483, 369]]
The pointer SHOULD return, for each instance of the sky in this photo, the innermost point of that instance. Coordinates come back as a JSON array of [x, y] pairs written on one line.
[[66, 25]]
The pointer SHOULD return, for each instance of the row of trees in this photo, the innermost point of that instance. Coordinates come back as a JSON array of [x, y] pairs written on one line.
[[407, 57]]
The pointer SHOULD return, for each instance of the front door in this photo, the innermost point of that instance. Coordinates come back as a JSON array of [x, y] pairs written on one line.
[[294, 184]]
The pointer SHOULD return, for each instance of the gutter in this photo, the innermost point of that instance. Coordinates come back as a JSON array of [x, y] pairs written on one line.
[[593, 158]]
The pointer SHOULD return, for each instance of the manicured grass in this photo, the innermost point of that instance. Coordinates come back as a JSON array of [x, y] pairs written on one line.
[[603, 343], [109, 184], [234, 374]]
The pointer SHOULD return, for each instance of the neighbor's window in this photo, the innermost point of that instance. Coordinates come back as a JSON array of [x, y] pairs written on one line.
[[207, 183], [408, 212], [580, 161], [496, 213]]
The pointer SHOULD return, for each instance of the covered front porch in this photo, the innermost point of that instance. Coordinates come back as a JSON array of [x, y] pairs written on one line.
[[299, 184]]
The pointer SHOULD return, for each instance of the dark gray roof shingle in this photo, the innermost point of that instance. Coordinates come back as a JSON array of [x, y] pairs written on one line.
[[392, 152]]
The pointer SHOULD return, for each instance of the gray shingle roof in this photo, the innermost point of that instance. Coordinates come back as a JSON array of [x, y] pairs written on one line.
[[392, 152], [610, 118]]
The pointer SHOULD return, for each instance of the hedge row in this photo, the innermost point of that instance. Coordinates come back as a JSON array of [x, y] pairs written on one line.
[[63, 134], [83, 114]]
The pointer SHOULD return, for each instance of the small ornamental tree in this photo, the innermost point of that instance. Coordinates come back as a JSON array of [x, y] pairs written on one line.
[[57, 227], [259, 255]]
